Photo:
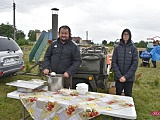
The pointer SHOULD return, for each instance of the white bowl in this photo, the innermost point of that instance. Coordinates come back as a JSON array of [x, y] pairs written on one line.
[[82, 92], [81, 84], [82, 88]]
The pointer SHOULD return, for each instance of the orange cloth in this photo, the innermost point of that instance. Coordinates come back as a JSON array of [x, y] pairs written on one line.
[[108, 59]]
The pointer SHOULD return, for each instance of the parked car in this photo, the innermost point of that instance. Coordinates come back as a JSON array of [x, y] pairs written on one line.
[[11, 57]]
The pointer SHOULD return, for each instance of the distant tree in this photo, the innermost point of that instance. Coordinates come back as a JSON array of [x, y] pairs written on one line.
[[32, 35], [20, 35], [6, 30], [104, 42], [142, 44], [136, 44]]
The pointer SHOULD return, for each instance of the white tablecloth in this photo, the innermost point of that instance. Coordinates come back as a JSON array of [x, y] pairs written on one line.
[[96, 103]]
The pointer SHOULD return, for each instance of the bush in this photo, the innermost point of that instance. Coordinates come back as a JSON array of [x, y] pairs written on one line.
[[22, 42]]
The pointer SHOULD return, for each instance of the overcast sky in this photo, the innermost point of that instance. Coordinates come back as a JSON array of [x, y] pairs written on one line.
[[103, 19]]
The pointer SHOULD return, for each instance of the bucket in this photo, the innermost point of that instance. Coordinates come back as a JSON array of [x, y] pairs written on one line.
[[55, 83]]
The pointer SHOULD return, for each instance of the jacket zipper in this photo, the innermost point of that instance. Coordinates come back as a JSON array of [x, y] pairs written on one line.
[[124, 59], [59, 58]]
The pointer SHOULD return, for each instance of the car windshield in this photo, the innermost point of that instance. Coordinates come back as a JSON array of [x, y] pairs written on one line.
[[8, 45]]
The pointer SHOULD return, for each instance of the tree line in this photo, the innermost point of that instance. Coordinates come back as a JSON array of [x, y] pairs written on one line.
[[141, 44], [7, 30]]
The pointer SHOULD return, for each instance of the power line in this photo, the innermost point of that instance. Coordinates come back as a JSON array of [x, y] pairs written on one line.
[[4, 8], [20, 1], [4, 3], [22, 10]]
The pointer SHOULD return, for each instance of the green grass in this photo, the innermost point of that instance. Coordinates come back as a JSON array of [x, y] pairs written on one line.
[[146, 94]]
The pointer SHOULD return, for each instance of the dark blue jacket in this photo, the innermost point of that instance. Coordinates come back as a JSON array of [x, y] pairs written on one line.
[[60, 58], [125, 61]]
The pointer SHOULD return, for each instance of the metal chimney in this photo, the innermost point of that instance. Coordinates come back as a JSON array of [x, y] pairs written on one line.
[[54, 23], [86, 35]]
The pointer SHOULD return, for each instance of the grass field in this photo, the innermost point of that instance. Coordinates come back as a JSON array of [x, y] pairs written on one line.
[[146, 94]]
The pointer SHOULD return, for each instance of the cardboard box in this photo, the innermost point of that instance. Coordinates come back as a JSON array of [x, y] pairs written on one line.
[[112, 90]]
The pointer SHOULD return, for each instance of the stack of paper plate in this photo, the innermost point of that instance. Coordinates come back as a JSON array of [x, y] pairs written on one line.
[[27, 86]]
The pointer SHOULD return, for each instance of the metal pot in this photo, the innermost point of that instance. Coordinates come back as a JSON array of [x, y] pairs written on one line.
[[55, 82]]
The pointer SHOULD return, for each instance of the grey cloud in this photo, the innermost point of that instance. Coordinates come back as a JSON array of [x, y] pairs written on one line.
[[104, 19]]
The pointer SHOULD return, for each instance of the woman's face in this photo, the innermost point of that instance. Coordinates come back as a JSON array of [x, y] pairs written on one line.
[[126, 36]]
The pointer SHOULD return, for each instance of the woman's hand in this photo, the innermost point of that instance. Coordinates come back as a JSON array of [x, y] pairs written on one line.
[[122, 79]]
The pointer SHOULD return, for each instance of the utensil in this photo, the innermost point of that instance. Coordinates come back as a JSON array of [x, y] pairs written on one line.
[[55, 82]]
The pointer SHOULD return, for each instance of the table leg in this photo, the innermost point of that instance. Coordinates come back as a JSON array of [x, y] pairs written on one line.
[[24, 113]]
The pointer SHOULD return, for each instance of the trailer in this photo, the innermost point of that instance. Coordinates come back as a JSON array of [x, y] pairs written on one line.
[[93, 69]]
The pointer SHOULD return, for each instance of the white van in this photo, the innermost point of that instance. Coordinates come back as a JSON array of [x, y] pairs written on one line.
[[11, 57]]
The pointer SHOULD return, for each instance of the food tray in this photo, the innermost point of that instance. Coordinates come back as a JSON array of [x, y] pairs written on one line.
[[26, 84]]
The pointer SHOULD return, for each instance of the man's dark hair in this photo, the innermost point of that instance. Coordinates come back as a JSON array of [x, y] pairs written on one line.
[[66, 27]]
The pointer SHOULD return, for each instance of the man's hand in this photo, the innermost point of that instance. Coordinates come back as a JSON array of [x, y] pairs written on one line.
[[46, 71], [122, 79], [66, 75]]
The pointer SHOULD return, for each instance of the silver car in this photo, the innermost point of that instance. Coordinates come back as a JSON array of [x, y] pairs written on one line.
[[11, 57]]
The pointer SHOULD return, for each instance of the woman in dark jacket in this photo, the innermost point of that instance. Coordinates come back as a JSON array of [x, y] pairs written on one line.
[[124, 64]]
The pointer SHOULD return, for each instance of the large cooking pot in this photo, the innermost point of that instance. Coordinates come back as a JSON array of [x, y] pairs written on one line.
[[55, 82]]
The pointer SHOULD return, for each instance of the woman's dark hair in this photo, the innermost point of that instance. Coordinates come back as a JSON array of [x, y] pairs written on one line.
[[66, 27], [130, 35]]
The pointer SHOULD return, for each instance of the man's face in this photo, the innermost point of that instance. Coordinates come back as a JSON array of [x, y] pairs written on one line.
[[64, 34], [126, 36]]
